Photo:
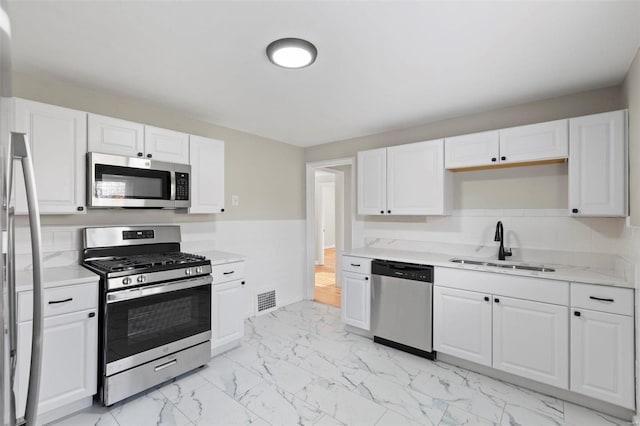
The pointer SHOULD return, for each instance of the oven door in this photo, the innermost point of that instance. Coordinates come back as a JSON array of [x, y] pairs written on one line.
[[115, 181], [146, 323]]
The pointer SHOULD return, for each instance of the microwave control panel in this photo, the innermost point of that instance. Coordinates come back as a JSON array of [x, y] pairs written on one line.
[[182, 186]]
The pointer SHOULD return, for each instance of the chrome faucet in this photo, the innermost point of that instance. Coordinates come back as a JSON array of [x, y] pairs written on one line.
[[502, 252]]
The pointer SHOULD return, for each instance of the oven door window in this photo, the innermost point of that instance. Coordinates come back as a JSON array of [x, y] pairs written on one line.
[[137, 325], [116, 182]]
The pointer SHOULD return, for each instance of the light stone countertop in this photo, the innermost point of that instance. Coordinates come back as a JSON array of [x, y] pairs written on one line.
[[578, 274], [56, 277], [221, 257]]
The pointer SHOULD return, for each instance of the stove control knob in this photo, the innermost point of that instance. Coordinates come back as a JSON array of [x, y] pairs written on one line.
[[126, 281], [142, 279], [199, 270], [187, 271]]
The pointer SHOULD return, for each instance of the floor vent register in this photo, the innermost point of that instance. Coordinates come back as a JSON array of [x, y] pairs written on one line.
[[266, 300]]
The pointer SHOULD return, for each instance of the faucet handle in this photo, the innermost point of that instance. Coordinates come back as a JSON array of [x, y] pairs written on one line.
[[508, 252]]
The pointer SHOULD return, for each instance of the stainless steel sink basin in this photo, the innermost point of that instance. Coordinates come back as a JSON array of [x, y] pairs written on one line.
[[506, 266]]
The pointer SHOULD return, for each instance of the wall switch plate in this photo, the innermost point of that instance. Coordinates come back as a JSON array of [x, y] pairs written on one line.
[[235, 200]]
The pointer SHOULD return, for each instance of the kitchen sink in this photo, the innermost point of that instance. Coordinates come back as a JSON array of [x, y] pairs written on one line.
[[506, 266]]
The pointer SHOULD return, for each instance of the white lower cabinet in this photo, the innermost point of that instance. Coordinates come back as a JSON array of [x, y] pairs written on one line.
[[602, 356], [227, 313], [70, 353], [356, 300], [69, 362], [462, 324], [227, 306], [531, 339], [571, 336]]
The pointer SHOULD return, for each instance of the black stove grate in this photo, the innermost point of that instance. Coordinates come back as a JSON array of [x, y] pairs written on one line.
[[144, 261]]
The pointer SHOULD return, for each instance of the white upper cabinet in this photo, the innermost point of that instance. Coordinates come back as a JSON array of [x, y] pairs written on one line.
[[114, 136], [166, 145], [121, 137], [531, 339], [372, 181], [598, 165], [477, 149], [535, 142], [416, 179], [58, 141], [404, 180], [207, 175]]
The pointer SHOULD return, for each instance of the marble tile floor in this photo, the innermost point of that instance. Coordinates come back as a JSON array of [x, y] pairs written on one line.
[[298, 365]]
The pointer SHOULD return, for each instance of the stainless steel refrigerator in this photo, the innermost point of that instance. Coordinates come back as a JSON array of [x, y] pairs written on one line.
[[15, 157]]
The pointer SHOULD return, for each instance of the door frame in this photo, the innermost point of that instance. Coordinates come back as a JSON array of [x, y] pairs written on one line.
[[311, 167]]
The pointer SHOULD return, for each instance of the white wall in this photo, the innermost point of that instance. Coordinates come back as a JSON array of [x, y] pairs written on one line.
[[329, 214], [272, 247]]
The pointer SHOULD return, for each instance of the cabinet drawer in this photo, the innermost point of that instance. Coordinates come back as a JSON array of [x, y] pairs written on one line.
[[228, 272], [360, 265], [601, 298], [60, 300]]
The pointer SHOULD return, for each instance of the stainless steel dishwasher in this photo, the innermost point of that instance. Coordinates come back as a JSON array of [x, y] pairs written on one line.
[[402, 306]]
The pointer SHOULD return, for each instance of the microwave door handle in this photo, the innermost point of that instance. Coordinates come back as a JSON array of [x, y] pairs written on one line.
[[21, 150], [173, 185]]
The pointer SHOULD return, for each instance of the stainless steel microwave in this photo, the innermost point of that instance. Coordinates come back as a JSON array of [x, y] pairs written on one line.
[[117, 181]]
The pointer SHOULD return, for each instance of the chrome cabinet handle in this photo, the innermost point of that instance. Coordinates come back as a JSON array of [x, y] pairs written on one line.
[[165, 365], [21, 150]]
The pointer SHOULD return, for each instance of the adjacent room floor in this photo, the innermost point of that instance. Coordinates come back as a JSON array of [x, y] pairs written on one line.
[[325, 280], [297, 365]]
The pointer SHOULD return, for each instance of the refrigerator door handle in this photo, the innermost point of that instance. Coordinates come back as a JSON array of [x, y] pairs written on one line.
[[20, 150], [12, 295]]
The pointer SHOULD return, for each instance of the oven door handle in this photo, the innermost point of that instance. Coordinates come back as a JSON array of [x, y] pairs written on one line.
[[135, 293]]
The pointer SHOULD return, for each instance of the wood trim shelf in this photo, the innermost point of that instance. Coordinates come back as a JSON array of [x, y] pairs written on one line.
[[509, 165]]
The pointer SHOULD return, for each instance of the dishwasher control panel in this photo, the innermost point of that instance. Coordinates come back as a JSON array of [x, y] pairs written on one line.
[[407, 271]]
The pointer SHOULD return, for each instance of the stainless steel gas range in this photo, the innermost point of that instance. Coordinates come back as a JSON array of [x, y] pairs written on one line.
[[155, 307]]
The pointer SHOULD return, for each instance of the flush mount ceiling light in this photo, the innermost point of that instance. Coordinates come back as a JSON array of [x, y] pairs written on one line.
[[292, 53]]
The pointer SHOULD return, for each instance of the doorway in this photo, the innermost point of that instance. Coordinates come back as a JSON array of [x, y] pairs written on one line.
[[329, 227], [327, 290]]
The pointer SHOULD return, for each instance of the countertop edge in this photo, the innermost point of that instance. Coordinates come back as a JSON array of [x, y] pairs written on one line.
[[575, 274]]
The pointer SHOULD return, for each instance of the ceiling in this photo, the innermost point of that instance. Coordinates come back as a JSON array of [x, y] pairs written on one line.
[[381, 65]]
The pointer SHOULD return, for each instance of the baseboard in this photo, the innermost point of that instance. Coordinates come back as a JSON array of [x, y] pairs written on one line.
[[224, 348], [65, 410]]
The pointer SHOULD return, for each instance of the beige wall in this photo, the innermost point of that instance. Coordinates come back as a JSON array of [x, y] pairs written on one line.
[[631, 90], [267, 175], [517, 188]]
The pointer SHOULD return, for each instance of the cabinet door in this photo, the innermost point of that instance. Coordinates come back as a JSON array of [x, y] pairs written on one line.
[[58, 140], [207, 175], [114, 136], [227, 313], [602, 356], [416, 179], [356, 300], [462, 324], [531, 339], [69, 362], [535, 142], [166, 145], [477, 149], [372, 181], [598, 165]]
